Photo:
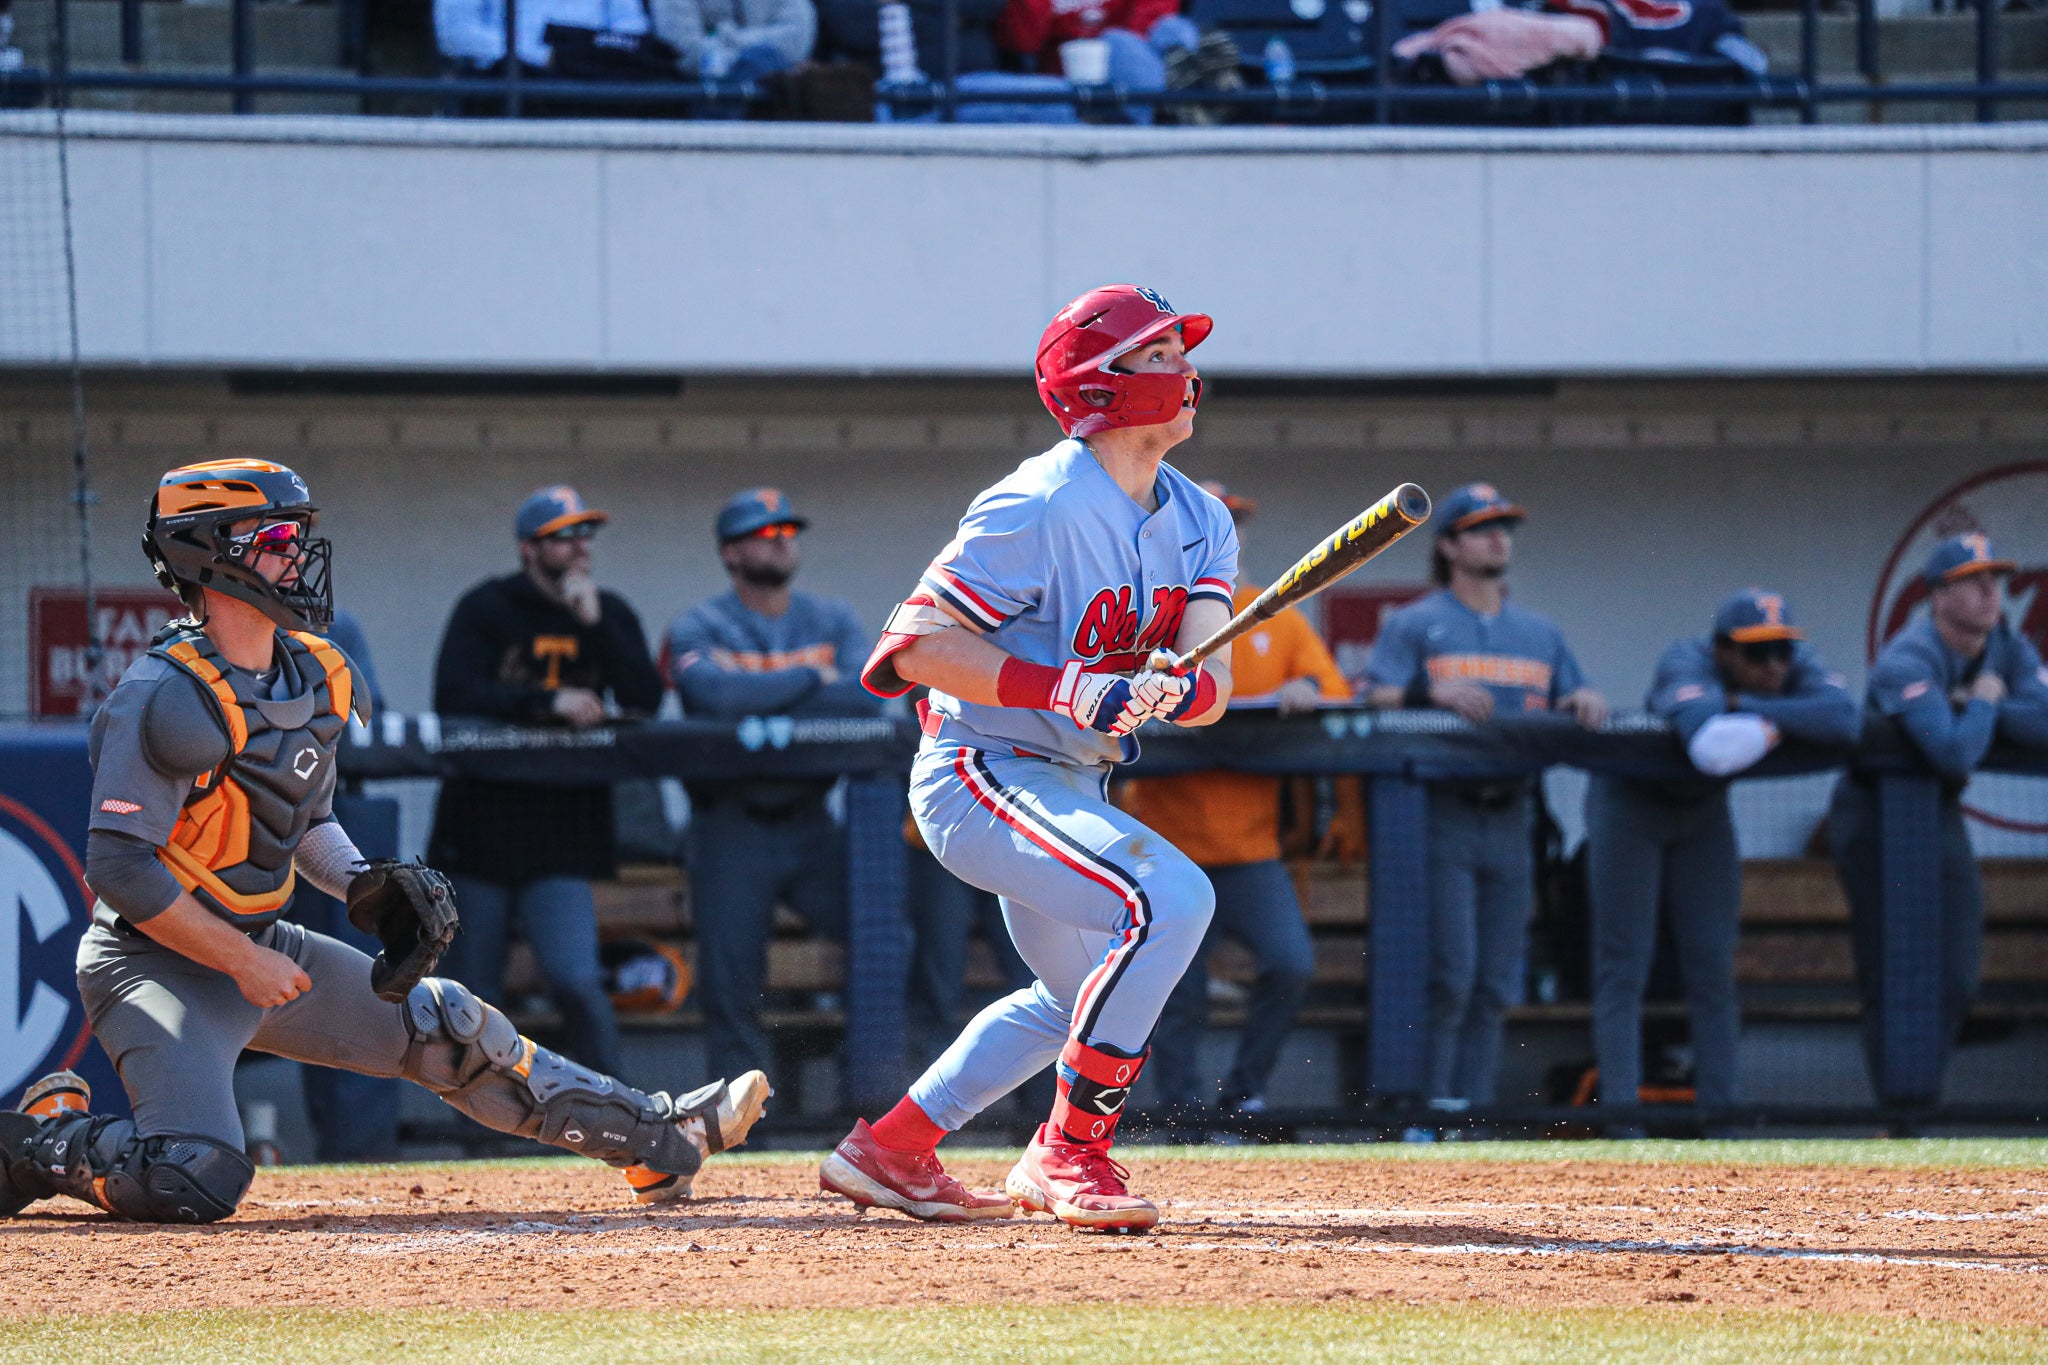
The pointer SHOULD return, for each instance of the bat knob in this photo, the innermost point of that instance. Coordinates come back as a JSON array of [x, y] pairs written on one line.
[[1163, 661]]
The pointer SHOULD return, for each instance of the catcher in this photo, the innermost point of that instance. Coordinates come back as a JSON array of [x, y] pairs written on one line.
[[213, 779]]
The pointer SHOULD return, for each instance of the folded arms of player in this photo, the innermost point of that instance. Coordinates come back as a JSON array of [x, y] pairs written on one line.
[[927, 641]]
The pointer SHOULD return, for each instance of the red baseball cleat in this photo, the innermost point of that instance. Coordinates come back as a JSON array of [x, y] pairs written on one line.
[[1079, 1185], [874, 1176]]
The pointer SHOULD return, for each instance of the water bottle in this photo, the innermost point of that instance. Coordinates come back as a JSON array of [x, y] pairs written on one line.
[[1279, 62], [899, 44], [899, 53]]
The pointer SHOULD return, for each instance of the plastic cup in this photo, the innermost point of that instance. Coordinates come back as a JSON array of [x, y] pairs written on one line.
[[1086, 61]]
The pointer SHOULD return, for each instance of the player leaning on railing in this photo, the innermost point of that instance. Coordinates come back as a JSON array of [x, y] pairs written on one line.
[[213, 786]]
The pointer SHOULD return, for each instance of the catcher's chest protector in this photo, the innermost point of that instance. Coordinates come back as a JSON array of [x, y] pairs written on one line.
[[232, 846]]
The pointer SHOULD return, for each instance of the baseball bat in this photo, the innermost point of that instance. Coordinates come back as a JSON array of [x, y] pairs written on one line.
[[1345, 549]]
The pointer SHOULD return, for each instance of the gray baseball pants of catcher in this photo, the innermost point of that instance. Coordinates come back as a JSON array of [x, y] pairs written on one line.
[[1646, 855], [174, 1029]]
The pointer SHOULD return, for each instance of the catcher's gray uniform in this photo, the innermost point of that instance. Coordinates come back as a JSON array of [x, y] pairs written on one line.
[[218, 782]]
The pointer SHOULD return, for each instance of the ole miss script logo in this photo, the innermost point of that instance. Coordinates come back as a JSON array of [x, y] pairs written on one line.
[[1110, 633]]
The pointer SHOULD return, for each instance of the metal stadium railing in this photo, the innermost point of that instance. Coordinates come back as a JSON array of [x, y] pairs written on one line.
[[1596, 93]]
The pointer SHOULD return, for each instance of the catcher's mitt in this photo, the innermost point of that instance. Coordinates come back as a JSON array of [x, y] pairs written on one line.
[[411, 909]]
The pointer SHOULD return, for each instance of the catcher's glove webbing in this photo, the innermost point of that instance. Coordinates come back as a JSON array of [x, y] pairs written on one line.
[[411, 909]]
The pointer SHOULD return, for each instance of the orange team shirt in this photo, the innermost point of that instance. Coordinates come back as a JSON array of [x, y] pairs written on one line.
[[1221, 819]]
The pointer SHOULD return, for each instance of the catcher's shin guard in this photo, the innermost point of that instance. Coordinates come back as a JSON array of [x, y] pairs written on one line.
[[17, 1130], [167, 1178], [1092, 1085], [469, 1054]]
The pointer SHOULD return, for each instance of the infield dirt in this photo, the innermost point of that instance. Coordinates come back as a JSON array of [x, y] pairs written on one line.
[[1969, 1245]]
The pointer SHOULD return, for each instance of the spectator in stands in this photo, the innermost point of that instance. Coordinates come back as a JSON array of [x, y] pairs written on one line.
[[473, 31], [739, 40], [539, 647], [1467, 649], [1505, 42], [761, 649], [1649, 28], [1229, 823], [851, 29], [1953, 680], [1141, 35], [1731, 697]]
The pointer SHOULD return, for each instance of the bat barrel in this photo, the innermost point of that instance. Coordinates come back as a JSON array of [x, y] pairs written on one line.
[[1412, 503]]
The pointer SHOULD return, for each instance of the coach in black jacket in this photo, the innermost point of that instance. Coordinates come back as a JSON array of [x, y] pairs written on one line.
[[540, 647]]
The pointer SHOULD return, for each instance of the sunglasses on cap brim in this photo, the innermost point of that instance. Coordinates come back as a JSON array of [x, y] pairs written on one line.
[[781, 530], [582, 530]]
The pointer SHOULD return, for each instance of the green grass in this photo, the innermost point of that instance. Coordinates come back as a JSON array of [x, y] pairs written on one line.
[[1042, 1336], [1960, 1154]]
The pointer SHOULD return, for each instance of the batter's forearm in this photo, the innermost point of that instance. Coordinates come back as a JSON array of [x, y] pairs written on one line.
[[955, 661], [1204, 618]]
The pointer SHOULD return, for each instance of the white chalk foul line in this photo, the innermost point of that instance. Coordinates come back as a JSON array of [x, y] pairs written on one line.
[[1623, 1248], [418, 1244]]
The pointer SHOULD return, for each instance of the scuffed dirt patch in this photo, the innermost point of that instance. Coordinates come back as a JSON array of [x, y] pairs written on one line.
[[1969, 1245]]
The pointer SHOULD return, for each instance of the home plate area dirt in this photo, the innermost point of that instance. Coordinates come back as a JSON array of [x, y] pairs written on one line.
[[1968, 1245]]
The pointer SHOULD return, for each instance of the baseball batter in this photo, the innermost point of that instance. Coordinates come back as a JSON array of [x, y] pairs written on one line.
[[213, 785], [1032, 629]]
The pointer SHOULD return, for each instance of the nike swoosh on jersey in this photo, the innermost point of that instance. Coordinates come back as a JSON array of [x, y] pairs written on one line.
[[1192, 544]]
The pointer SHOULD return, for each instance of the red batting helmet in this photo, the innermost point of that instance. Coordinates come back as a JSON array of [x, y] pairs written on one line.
[[1088, 335]]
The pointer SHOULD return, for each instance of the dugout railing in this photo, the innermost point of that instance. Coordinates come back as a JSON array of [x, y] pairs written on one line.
[[1654, 90], [1398, 753]]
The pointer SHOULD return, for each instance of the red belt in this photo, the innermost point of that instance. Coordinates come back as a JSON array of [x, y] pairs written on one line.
[[929, 722]]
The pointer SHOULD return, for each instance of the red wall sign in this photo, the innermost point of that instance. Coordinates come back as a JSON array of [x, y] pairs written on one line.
[[1352, 617], [58, 682]]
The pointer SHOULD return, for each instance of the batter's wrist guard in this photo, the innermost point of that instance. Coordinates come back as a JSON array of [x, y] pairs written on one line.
[[1029, 686], [1092, 1084], [1199, 699]]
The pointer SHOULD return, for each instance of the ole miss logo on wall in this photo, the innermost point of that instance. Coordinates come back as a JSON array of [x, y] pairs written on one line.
[[2006, 504]]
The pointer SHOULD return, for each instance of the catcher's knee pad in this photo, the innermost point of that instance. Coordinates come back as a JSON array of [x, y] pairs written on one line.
[[561, 1103], [165, 1178]]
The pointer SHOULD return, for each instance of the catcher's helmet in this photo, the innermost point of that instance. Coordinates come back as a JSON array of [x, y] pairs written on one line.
[[187, 539], [1087, 336]]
